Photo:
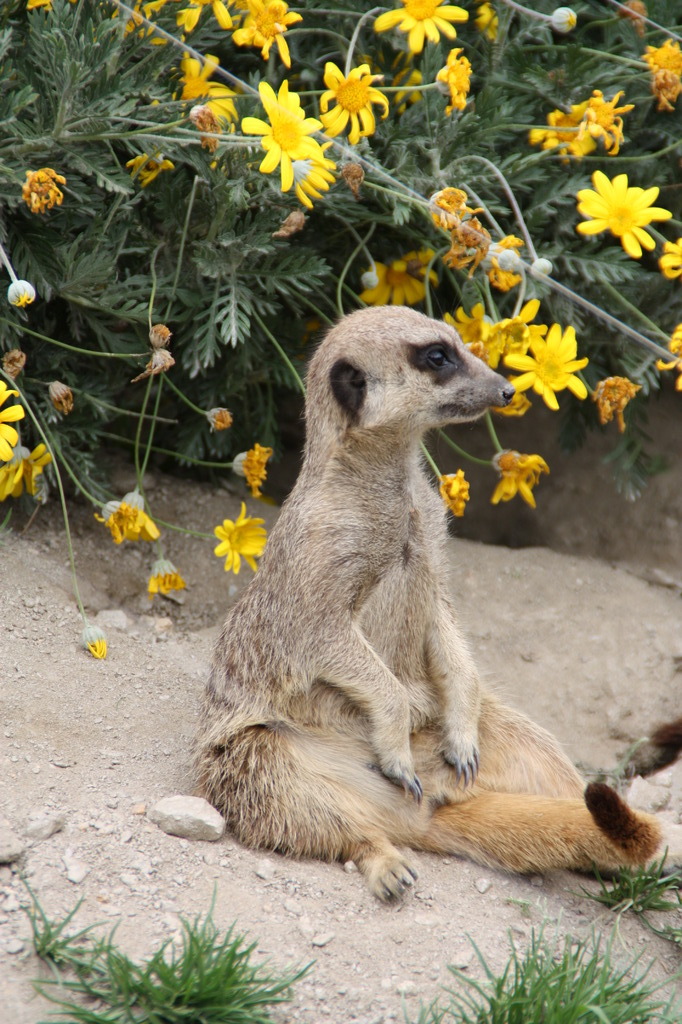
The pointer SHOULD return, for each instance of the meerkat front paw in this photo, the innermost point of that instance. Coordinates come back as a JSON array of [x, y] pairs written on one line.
[[464, 758], [403, 774]]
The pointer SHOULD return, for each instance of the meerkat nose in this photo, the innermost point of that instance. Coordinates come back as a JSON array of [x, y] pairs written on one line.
[[508, 392]]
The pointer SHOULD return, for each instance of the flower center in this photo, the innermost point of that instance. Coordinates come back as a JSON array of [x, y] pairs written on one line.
[[621, 219], [353, 95], [286, 131], [420, 10], [269, 22]]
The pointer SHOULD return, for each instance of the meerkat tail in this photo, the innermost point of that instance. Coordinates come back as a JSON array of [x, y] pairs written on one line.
[[533, 833], [661, 749]]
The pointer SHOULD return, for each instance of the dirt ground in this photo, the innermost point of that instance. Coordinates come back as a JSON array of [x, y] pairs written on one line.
[[586, 638]]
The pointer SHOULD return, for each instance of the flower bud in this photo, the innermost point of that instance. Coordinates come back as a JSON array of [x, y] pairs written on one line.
[[563, 19], [238, 464], [13, 362], [21, 293], [542, 266], [61, 397], [508, 259], [94, 640], [370, 279]]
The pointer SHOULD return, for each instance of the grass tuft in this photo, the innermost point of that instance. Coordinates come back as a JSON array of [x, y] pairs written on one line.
[[551, 983], [209, 979], [641, 890]]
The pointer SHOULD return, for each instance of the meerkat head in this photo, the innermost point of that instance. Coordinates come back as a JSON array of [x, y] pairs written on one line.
[[389, 366]]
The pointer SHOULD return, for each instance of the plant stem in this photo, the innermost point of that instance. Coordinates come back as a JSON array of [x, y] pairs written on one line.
[[285, 358], [460, 451]]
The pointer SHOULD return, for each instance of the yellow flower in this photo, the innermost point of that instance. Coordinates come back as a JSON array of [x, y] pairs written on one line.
[[611, 396], [252, 465], [401, 283], [127, 519], [265, 24], [664, 58], [21, 293], [422, 19], [33, 5], [551, 366], [41, 189], [675, 347], [600, 120], [22, 471], [242, 538], [195, 86], [313, 177], [514, 335], [219, 418], [620, 209], [287, 137], [671, 260], [666, 87], [164, 578], [487, 21], [454, 490], [354, 96], [472, 327], [8, 435], [146, 168], [504, 256], [94, 640], [188, 18], [518, 475], [456, 79], [449, 207], [566, 141]]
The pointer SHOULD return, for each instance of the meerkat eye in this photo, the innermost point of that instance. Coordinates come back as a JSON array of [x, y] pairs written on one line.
[[436, 358]]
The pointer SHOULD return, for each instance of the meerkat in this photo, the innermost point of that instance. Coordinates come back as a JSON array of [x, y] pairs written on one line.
[[343, 717]]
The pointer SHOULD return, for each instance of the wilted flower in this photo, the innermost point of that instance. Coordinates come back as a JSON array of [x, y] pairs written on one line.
[[13, 362], [601, 120], [455, 80], [454, 490], [159, 336], [145, 168], [518, 475], [636, 11], [252, 465], [160, 361], [220, 419], [353, 175], [164, 578], [61, 397], [611, 396], [41, 189], [203, 118]]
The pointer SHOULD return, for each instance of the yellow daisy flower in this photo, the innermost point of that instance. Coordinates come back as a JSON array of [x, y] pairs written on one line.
[[252, 465], [94, 640], [401, 283], [518, 475], [487, 21], [265, 24], [454, 490], [164, 578], [41, 189], [473, 327], [558, 136], [146, 168], [600, 120], [8, 435], [127, 519], [455, 78], [421, 20], [621, 209], [287, 137], [313, 177], [354, 96], [611, 396], [242, 538], [188, 18], [550, 367], [664, 58], [195, 86], [675, 347], [22, 471], [671, 260]]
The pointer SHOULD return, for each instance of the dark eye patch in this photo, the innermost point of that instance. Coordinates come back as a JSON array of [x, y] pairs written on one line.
[[438, 358]]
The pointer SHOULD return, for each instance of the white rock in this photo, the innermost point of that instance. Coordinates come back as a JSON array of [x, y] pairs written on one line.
[[406, 988], [462, 959], [644, 796], [265, 870], [190, 817], [76, 870], [112, 618], [483, 884], [14, 946], [11, 846], [323, 939], [350, 867], [42, 826]]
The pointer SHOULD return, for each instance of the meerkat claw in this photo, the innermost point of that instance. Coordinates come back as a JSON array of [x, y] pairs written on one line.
[[464, 770], [414, 787]]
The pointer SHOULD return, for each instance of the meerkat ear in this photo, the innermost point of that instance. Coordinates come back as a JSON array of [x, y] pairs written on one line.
[[349, 387]]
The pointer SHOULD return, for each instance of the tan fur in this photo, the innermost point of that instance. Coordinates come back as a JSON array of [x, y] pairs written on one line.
[[341, 686]]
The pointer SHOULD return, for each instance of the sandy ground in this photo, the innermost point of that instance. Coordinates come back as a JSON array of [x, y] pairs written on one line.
[[591, 649]]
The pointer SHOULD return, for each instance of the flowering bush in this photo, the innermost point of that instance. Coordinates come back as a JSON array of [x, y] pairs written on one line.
[[191, 189]]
